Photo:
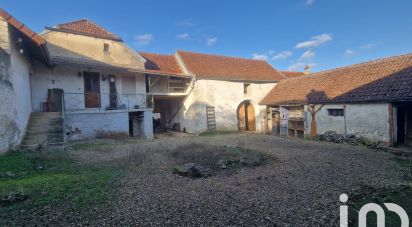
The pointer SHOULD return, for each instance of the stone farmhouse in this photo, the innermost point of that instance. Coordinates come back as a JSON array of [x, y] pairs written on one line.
[[371, 99], [77, 80]]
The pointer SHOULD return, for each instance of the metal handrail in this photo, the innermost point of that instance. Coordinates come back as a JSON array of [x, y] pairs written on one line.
[[103, 102]]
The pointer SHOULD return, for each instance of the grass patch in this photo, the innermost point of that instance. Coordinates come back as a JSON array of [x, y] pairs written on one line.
[[216, 133], [52, 179], [402, 197]]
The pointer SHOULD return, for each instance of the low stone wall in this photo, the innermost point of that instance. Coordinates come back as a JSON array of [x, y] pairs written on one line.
[[80, 126]]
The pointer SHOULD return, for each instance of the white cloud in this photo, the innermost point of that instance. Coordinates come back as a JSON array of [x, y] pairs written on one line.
[[349, 52], [369, 45], [144, 39], [271, 52], [211, 41], [307, 55], [310, 2], [257, 56], [282, 55], [183, 36], [315, 41], [300, 66]]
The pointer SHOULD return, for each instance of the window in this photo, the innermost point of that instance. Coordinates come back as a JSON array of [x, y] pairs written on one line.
[[336, 112], [245, 88], [106, 48]]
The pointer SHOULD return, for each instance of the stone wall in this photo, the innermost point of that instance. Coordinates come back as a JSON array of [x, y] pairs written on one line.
[[15, 95], [367, 120], [225, 96], [91, 125], [79, 126]]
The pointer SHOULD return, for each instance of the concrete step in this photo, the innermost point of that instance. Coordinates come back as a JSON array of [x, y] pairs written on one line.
[[41, 131], [30, 147], [44, 124], [36, 114], [44, 136], [44, 128]]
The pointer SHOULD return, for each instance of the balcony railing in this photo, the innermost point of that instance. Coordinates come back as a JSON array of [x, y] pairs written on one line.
[[103, 102]]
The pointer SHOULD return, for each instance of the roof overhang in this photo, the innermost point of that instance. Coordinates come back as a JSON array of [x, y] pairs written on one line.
[[35, 43], [104, 66]]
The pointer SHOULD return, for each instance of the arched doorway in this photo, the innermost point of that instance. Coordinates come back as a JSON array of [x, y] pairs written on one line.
[[246, 117]]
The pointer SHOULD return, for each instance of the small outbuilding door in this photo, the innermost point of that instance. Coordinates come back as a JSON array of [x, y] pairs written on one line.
[[246, 117]]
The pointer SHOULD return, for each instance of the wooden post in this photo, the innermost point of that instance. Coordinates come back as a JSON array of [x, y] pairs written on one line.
[[313, 127]]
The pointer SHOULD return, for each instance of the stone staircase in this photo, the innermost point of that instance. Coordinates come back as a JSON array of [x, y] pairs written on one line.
[[44, 129]]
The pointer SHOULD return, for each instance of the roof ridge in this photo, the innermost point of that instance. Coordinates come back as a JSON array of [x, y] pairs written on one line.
[[362, 63], [142, 52], [220, 55], [77, 20], [88, 27]]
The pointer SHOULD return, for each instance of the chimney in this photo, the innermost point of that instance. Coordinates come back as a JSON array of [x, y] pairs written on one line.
[[306, 70]]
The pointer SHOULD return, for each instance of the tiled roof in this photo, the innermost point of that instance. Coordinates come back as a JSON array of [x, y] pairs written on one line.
[[87, 27], [33, 36], [165, 64], [290, 74], [388, 79], [206, 66]]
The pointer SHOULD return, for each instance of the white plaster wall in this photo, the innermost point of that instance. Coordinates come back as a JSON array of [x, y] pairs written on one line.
[[225, 96], [88, 125], [67, 78], [148, 124], [86, 47], [15, 95], [367, 120]]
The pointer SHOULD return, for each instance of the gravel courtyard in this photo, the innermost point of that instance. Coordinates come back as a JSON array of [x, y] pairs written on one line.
[[301, 188], [299, 185]]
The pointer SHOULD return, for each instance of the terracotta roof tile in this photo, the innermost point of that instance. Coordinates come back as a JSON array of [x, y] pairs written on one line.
[[206, 66], [87, 27], [290, 74], [388, 79], [33, 36], [162, 63]]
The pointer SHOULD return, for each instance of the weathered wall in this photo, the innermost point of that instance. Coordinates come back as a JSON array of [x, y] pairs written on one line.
[[225, 96], [79, 46], [15, 95], [67, 78], [89, 125], [79, 126], [367, 120]]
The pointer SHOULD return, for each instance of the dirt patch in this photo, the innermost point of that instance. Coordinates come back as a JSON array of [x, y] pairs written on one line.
[[199, 160]]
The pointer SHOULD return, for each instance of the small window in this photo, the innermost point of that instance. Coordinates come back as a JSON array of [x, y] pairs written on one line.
[[106, 48], [336, 112], [245, 88]]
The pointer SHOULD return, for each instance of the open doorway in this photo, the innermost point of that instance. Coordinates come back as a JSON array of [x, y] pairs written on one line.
[[246, 116], [136, 124], [404, 124]]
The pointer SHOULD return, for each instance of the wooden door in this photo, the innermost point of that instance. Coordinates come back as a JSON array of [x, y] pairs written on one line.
[[250, 117], [241, 117], [91, 89], [276, 123]]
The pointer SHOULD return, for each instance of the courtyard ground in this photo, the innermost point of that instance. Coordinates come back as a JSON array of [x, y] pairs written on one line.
[[126, 182]]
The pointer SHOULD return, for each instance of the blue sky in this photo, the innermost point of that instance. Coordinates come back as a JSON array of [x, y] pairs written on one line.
[[288, 34]]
